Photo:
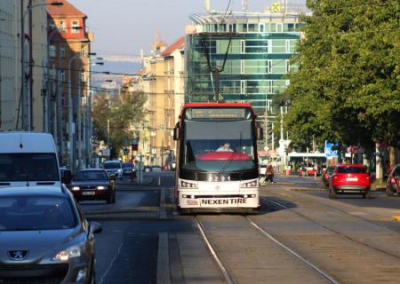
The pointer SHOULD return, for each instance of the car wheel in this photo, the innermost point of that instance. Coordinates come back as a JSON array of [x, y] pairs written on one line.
[[332, 194], [367, 195]]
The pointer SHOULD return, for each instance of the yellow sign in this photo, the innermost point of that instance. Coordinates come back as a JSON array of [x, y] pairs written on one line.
[[276, 7]]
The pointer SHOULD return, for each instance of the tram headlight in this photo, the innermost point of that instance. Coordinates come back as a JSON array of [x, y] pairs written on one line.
[[187, 184], [248, 184]]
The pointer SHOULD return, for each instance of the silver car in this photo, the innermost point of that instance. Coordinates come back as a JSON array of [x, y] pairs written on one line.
[[44, 237]]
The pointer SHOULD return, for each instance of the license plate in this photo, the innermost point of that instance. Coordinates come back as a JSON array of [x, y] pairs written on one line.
[[88, 193], [351, 179]]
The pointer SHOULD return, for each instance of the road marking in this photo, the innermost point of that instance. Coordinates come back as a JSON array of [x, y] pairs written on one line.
[[163, 271], [357, 213], [111, 264], [163, 209]]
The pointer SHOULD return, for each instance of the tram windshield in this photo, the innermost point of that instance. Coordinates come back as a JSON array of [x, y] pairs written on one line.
[[218, 145]]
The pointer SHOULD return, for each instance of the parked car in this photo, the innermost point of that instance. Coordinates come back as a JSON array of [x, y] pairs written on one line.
[[28, 158], [350, 179], [127, 168], [114, 168], [91, 184], [44, 238], [326, 174], [152, 169], [393, 181]]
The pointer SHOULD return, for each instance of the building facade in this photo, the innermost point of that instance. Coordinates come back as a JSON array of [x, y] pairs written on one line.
[[69, 95], [10, 64], [241, 57], [162, 81]]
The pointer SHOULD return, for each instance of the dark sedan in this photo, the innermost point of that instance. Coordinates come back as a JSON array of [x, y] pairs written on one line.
[[92, 184], [44, 237]]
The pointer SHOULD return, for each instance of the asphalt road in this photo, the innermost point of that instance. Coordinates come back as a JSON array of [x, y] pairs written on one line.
[[144, 239]]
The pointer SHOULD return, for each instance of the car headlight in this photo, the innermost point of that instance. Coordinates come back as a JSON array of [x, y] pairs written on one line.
[[248, 184], [67, 254], [187, 184], [101, 187], [75, 188]]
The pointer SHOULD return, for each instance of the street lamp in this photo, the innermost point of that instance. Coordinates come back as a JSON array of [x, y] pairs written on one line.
[[26, 99], [71, 124]]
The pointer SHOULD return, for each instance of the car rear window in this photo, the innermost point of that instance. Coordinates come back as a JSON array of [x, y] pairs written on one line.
[[352, 170], [33, 213]]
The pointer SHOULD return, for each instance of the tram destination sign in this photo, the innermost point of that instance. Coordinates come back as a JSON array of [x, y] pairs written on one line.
[[219, 113]]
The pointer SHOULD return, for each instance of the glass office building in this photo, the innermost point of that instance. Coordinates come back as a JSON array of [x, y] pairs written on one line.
[[242, 56]]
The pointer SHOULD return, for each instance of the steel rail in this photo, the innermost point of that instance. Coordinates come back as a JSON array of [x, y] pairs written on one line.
[[292, 252], [221, 266]]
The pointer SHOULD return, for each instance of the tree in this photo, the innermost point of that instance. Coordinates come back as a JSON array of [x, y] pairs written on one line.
[[347, 87], [120, 113]]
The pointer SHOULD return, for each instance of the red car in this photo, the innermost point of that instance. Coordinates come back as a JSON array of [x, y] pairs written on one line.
[[350, 179]]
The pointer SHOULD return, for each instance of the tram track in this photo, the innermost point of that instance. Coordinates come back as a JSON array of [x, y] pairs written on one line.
[[337, 232], [227, 273]]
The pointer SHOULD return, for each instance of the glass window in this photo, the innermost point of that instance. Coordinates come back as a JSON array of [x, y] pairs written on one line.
[[29, 166], [53, 51], [252, 28], [62, 26], [74, 27], [90, 175], [33, 213], [62, 52], [62, 75], [203, 138], [351, 170]]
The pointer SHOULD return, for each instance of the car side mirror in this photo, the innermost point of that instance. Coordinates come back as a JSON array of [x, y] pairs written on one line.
[[176, 133], [67, 177], [95, 227]]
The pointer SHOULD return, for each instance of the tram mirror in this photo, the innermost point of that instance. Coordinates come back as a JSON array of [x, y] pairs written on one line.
[[176, 133], [260, 133]]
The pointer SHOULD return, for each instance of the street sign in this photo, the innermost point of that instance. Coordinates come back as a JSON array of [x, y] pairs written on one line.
[[328, 149]]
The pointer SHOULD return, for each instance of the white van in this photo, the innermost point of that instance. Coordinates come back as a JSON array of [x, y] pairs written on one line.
[[28, 159]]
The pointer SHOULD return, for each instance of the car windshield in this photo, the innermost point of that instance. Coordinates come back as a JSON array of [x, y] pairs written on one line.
[[127, 166], [112, 165], [351, 170], [90, 175], [25, 213], [28, 167]]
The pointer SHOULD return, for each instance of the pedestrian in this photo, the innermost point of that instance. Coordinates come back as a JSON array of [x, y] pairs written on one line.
[[269, 173], [315, 170], [303, 169]]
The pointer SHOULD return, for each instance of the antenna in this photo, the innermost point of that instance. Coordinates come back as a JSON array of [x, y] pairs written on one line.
[[207, 5], [245, 5]]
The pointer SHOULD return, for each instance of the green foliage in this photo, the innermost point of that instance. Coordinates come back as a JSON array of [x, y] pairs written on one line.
[[347, 87], [118, 115]]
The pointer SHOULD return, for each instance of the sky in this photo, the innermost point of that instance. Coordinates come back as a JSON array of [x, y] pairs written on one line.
[[124, 27]]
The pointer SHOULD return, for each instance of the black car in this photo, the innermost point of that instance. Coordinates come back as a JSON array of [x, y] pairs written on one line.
[[93, 184], [44, 237], [326, 174]]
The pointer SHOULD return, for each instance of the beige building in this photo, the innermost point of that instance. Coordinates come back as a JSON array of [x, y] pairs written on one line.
[[163, 83], [10, 66]]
